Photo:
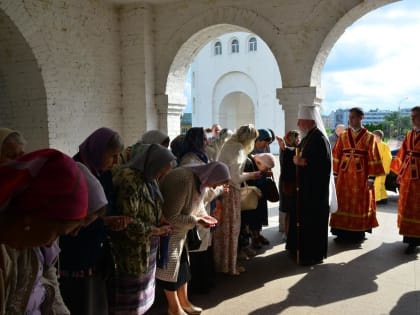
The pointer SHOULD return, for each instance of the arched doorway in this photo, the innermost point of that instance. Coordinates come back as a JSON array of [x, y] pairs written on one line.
[[23, 102], [235, 110], [174, 91]]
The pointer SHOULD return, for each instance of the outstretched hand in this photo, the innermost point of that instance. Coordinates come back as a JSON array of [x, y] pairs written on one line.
[[207, 221]]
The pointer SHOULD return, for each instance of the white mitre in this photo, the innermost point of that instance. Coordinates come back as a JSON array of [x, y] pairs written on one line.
[[307, 112]]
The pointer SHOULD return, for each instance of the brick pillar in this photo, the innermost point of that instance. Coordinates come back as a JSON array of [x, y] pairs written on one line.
[[137, 75], [169, 115], [290, 98]]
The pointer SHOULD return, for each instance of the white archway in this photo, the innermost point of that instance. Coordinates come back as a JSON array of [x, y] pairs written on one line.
[[235, 110], [233, 87]]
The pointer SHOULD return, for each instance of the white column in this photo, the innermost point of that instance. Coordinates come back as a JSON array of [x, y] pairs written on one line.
[[290, 98]]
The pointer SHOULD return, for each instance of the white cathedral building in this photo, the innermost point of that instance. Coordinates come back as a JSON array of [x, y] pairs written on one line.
[[233, 82]]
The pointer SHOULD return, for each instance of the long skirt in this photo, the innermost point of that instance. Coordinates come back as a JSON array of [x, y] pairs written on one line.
[[184, 274], [134, 295], [85, 296], [226, 234]]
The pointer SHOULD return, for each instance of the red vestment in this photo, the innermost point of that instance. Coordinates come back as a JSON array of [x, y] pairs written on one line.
[[407, 165], [356, 157]]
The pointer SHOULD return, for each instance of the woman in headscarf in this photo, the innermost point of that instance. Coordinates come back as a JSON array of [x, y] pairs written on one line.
[[234, 153], [215, 146], [86, 259], [155, 137], [139, 197], [43, 196], [262, 143], [194, 147], [11, 145], [149, 137], [177, 146], [253, 220], [183, 191], [194, 152], [287, 181]]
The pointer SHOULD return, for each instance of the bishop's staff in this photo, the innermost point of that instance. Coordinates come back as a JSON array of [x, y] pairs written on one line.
[[297, 154]]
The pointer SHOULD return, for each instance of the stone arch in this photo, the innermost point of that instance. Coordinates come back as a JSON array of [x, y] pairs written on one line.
[[178, 70], [23, 101], [183, 43], [335, 33]]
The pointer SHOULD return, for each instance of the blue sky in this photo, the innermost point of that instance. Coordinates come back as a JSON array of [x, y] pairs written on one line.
[[376, 62]]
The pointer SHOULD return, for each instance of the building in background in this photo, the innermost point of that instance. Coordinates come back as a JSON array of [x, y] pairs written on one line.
[[186, 122], [373, 116], [234, 79]]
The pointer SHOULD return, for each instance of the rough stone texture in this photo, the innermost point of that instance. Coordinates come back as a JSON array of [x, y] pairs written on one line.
[[78, 65], [76, 46], [137, 49]]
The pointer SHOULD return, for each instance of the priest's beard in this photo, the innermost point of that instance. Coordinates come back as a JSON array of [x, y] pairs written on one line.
[[303, 132]]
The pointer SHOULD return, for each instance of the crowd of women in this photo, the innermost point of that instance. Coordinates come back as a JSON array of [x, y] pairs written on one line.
[[121, 221], [117, 219]]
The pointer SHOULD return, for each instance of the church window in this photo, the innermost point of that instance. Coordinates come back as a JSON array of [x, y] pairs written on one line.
[[218, 48], [235, 46], [252, 44]]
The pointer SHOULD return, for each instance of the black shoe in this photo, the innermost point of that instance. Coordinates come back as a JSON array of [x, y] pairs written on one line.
[[311, 262], [382, 202], [411, 249]]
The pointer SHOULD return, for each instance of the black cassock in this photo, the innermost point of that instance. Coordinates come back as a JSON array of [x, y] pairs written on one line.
[[312, 210]]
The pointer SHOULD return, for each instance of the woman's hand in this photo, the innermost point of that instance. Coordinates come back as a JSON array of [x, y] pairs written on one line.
[[281, 143], [256, 175], [161, 230], [268, 173], [207, 221], [117, 223]]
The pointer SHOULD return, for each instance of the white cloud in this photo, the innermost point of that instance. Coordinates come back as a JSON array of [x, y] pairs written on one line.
[[389, 43]]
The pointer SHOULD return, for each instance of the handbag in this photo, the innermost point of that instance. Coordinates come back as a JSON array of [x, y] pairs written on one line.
[[106, 266], [162, 257], [193, 239], [249, 198], [269, 190]]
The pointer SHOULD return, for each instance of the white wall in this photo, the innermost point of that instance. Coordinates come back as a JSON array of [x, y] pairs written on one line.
[[253, 73]]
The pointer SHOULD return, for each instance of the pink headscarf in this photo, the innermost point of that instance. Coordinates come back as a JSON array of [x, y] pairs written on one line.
[[211, 173], [267, 159], [44, 183]]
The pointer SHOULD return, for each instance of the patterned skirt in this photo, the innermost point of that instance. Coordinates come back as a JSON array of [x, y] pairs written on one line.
[[226, 234], [134, 295]]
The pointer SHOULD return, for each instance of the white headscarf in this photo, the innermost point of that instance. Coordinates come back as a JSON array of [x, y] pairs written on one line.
[[154, 137], [4, 133], [311, 112], [96, 195]]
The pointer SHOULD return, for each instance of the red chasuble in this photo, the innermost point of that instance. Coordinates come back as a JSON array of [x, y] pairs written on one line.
[[407, 165], [356, 157]]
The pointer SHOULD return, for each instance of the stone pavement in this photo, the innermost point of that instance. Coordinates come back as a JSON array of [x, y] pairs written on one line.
[[373, 278]]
